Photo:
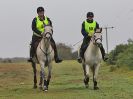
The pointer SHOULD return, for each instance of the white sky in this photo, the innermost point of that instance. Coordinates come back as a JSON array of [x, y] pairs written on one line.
[[67, 15]]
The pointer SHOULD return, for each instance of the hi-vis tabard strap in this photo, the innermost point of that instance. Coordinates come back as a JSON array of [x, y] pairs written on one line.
[[90, 27], [40, 25]]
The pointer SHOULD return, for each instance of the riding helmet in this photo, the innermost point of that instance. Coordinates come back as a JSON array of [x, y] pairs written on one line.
[[40, 9], [90, 14]]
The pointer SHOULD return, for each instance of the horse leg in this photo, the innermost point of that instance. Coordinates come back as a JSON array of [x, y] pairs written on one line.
[[95, 74], [45, 85], [44, 76], [49, 74], [86, 75], [41, 80], [35, 79]]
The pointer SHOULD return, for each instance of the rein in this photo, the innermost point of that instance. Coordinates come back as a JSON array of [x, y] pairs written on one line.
[[46, 52], [49, 34]]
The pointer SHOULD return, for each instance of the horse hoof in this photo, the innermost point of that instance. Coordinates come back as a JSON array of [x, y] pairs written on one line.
[[35, 86], [96, 88], [45, 89], [86, 82]]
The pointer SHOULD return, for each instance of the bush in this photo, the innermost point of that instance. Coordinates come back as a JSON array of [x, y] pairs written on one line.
[[113, 68], [122, 55]]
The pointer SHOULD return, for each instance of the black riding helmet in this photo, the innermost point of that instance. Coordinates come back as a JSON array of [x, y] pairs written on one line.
[[90, 14], [40, 9]]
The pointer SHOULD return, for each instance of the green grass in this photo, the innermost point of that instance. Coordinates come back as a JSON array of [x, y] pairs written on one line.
[[66, 83]]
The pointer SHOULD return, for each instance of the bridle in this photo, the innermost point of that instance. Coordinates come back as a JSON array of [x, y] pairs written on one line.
[[94, 39], [44, 36]]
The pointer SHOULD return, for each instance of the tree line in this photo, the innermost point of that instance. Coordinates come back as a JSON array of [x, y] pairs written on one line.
[[122, 55], [65, 52]]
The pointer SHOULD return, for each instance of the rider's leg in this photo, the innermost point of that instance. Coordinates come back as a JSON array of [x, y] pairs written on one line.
[[103, 53], [32, 52], [83, 48], [56, 57]]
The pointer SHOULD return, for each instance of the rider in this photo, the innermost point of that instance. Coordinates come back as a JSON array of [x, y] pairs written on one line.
[[38, 28], [88, 28]]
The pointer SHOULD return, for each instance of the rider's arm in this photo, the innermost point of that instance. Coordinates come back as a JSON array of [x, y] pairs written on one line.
[[34, 27], [83, 30], [97, 25], [50, 22]]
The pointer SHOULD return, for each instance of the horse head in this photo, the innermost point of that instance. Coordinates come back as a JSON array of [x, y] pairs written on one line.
[[47, 34], [97, 37]]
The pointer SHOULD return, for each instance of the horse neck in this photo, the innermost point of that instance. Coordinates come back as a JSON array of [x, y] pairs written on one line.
[[45, 44], [93, 48]]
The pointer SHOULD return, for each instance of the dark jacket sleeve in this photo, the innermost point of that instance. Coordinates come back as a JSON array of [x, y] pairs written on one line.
[[97, 25], [83, 30], [34, 29], [50, 22]]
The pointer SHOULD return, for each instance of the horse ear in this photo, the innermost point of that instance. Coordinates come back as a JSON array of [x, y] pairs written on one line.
[[99, 30]]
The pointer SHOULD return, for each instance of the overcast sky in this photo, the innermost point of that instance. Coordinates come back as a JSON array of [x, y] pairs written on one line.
[[67, 16]]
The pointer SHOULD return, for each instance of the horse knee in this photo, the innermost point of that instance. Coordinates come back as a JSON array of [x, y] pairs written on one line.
[[49, 77], [86, 80], [87, 75]]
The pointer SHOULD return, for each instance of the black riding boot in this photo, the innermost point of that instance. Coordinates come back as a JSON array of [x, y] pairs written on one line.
[[82, 51], [57, 59], [31, 54], [103, 53], [81, 55]]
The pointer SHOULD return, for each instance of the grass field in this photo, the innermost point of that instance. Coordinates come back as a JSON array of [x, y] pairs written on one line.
[[16, 82]]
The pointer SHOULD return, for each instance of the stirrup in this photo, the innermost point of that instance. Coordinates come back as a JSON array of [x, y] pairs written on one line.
[[79, 59], [105, 58], [58, 60], [30, 60]]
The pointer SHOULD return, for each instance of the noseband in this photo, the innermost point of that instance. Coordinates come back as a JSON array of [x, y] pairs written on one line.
[[98, 39], [48, 34], [95, 40]]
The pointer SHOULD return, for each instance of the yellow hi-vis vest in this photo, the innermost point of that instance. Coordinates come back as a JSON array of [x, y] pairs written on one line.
[[40, 25], [90, 28]]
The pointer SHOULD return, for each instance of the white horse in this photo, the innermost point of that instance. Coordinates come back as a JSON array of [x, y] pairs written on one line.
[[92, 58], [45, 55]]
